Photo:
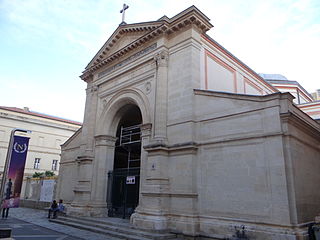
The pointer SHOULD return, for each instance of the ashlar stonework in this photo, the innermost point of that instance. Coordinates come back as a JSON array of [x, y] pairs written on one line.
[[180, 135]]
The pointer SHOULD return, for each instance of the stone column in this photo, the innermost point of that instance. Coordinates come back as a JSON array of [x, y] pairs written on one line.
[[88, 127], [102, 164], [161, 98], [154, 187], [82, 190], [145, 138]]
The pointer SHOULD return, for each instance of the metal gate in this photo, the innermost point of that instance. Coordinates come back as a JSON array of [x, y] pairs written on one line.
[[124, 192], [123, 181]]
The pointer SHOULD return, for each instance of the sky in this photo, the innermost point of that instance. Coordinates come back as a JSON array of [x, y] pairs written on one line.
[[46, 44]]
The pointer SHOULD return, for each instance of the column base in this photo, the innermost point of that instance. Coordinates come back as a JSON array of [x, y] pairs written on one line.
[[192, 226], [87, 210], [151, 222]]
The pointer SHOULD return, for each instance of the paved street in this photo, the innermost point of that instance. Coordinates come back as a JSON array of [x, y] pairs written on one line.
[[24, 230], [33, 224]]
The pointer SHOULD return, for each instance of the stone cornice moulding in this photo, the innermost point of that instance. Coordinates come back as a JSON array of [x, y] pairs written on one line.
[[169, 194], [84, 159], [133, 59], [240, 96], [81, 189], [105, 140], [145, 62], [175, 149], [300, 123], [191, 16], [146, 130]]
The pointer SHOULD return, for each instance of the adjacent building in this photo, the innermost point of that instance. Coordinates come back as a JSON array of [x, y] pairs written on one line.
[[48, 133], [308, 103], [316, 95]]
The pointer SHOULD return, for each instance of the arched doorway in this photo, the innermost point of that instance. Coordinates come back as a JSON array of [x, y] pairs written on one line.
[[125, 176]]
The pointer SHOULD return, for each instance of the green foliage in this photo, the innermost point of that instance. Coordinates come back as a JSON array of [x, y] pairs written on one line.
[[43, 174], [38, 175], [49, 174]]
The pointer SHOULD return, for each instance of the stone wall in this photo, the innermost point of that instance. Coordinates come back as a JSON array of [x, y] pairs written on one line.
[[37, 193]]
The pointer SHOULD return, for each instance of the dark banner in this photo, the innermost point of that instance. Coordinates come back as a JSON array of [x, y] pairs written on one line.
[[14, 178]]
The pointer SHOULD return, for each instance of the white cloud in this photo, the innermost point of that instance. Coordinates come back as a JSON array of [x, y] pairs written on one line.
[[270, 36]]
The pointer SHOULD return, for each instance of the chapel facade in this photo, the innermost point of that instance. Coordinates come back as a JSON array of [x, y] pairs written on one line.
[[180, 135]]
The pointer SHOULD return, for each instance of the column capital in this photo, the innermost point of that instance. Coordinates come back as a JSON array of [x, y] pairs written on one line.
[[92, 88], [161, 58], [146, 129], [105, 140]]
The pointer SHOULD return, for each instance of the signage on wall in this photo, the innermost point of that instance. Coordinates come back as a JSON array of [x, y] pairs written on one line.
[[131, 180]]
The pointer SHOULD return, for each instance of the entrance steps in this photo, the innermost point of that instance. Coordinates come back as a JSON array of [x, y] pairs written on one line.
[[113, 227]]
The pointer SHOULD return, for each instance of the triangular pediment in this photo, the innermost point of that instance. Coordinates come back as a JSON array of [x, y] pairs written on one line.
[[128, 37], [122, 37]]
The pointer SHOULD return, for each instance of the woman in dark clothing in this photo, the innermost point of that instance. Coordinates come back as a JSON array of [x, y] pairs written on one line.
[[54, 208]]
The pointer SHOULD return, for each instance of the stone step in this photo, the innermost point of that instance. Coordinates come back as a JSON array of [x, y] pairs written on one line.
[[111, 221], [112, 228]]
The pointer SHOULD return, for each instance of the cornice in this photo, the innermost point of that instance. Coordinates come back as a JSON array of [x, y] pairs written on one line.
[[302, 124], [35, 121], [190, 17], [241, 96], [175, 149]]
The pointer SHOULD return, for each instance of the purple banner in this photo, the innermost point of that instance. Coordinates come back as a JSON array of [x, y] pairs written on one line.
[[14, 179]]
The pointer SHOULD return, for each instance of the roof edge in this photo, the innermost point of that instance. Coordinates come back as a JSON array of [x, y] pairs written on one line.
[[41, 115]]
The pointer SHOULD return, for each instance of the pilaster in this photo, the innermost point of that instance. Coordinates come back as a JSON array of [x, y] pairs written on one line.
[[153, 203], [83, 188], [87, 138], [161, 97], [103, 162]]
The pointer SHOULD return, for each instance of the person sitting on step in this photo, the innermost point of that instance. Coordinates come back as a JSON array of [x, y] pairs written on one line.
[[53, 208], [61, 207]]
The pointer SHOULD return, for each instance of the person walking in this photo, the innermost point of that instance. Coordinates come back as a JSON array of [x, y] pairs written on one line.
[[5, 211]]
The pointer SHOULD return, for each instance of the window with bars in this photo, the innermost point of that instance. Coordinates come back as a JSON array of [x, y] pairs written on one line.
[[36, 164], [54, 165]]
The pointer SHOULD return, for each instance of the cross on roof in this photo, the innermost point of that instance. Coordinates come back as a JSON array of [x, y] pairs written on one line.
[[124, 8]]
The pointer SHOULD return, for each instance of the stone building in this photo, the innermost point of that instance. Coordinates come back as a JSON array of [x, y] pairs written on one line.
[[48, 133], [179, 134]]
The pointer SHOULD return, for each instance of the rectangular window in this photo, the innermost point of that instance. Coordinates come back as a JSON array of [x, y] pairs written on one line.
[[54, 165], [36, 163]]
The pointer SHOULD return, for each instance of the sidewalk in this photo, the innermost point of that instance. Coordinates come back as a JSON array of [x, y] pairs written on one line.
[[24, 222]]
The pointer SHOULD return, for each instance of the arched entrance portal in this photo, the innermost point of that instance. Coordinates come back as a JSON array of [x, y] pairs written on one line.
[[126, 170]]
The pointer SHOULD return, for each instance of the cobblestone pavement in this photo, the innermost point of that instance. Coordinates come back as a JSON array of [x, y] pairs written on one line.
[[24, 222]]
